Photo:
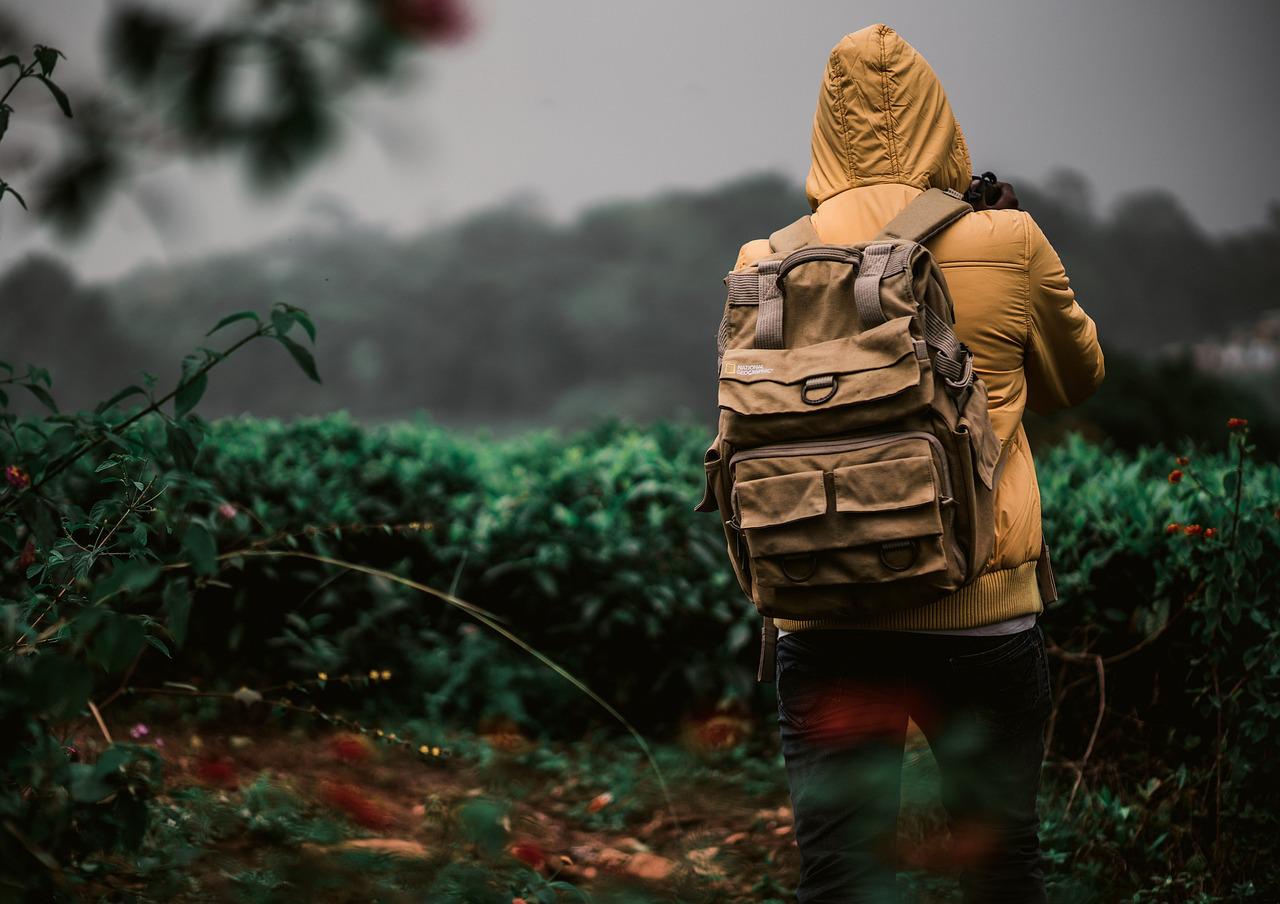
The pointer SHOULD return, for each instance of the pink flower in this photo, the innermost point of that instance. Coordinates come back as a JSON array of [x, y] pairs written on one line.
[[228, 510], [139, 731], [17, 478]]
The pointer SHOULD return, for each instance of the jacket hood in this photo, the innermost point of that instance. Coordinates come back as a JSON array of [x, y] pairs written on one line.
[[883, 117]]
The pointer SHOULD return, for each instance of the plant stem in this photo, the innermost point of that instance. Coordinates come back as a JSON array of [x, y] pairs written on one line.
[[76, 454], [1235, 516], [26, 73]]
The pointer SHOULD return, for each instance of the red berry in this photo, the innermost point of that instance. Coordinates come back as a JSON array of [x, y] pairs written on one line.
[[1193, 530], [1183, 460], [1175, 476], [1210, 533], [1173, 527], [1235, 423]]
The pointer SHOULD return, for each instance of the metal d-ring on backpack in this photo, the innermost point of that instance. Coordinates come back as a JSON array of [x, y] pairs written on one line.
[[854, 467]]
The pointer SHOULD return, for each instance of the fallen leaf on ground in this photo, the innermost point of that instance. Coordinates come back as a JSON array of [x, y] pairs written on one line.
[[650, 866]]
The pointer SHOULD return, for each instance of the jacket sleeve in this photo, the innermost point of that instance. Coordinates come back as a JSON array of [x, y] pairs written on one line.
[[1063, 361]]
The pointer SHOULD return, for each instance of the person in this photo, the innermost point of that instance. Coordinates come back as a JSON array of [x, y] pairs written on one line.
[[968, 669]]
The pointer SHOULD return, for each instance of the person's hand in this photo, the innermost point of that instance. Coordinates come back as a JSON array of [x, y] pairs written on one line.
[[986, 192]]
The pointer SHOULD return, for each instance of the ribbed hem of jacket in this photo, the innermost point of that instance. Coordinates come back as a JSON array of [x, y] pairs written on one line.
[[994, 597]]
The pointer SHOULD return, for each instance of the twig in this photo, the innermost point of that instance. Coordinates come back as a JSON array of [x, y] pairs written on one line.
[[102, 726], [1097, 725], [1069, 656]]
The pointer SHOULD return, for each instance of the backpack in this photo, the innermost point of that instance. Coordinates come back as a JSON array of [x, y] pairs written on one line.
[[855, 463]]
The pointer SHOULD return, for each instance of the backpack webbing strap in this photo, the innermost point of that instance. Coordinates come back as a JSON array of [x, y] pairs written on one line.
[[925, 217], [866, 287], [768, 651], [953, 361], [769, 313]]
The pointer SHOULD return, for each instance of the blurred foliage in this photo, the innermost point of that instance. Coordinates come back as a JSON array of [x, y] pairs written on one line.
[[259, 81], [586, 547], [511, 318], [90, 519]]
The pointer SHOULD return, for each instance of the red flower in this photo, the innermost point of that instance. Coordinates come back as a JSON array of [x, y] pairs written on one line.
[[1173, 527], [1210, 533], [1175, 476], [355, 804], [432, 20], [1235, 423], [530, 853], [27, 557], [1193, 530], [1183, 460], [18, 478]]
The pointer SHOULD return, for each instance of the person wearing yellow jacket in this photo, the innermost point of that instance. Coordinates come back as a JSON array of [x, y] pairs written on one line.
[[969, 669]]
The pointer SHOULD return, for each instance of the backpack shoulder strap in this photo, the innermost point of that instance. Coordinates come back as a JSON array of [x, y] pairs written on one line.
[[925, 217], [797, 235]]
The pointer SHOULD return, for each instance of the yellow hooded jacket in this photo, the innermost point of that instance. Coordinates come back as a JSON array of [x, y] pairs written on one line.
[[883, 133]]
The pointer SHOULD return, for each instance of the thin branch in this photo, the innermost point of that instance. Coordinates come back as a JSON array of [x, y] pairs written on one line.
[[1093, 737]]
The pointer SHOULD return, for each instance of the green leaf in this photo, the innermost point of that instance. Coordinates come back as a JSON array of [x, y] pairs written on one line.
[[282, 319], [58, 687], [5, 187], [301, 356], [58, 95], [200, 546], [5, 110], [233, 318], [303, 320], [42, 394], [482, 823], [60, 441], [159, 645], [87, 787], [181, 446], [189, 393], [177, 608], [132, 576], [47, 59], [119, 397], [118, 642], [11, 60]]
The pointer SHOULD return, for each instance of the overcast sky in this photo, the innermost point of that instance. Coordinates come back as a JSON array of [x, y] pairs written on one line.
[[571, 102]]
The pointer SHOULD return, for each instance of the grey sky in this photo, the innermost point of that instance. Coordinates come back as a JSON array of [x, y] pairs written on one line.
[[576, 101]]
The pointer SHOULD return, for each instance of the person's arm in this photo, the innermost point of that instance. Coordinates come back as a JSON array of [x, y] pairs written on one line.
[[751, 252], [1063, 361]]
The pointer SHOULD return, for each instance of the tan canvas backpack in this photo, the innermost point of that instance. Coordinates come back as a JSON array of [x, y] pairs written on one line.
[[854, 467]]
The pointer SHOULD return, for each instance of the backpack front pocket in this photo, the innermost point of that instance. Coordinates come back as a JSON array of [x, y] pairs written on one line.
[[828, 388], [867, 510]]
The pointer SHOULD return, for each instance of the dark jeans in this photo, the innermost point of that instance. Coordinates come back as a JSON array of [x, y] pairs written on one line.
[[843, 702]]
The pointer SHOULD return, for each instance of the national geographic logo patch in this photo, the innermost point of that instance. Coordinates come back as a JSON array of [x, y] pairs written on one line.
[[746, 370]]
